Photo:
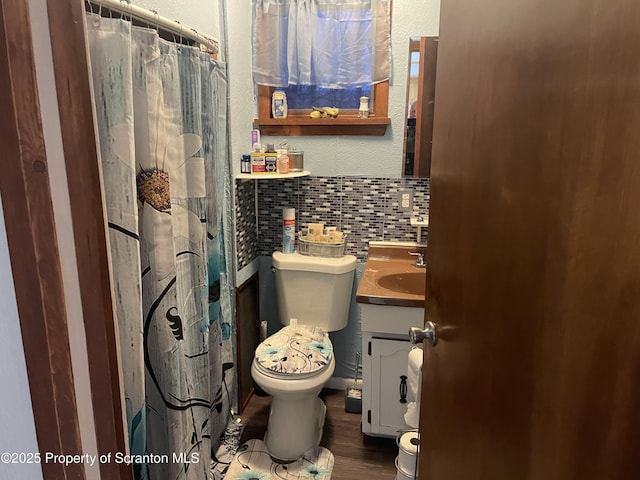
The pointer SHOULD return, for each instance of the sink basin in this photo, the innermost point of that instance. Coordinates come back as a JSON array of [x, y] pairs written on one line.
[[390, 276], [412, 283]]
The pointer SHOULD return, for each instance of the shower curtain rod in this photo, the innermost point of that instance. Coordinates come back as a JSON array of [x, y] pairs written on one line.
[[151, 17]]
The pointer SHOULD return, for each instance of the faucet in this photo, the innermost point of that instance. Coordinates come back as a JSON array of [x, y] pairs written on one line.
[[420, 263]]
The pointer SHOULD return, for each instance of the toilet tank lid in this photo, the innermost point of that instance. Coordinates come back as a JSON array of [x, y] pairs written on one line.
[[304, 263]]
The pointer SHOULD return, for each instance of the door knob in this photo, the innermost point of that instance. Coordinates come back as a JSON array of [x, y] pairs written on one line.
[[417, 335]]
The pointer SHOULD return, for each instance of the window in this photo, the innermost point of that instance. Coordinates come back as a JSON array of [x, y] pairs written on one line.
[[300, 96], [322, 54]]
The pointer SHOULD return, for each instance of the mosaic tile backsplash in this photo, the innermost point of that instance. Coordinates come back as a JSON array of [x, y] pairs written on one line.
[[246, 226], [364, 208]]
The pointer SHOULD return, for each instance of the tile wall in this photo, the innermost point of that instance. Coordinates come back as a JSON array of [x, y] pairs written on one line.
[[364, 208], [246, 223]]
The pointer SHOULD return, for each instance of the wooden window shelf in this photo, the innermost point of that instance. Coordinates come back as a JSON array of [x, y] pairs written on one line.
[[301, 126], [298, 123]]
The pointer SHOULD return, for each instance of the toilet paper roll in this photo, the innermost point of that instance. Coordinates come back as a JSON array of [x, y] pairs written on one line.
[[414, 374], [409, 443], [409, 446], [412, 415], [402, 475]]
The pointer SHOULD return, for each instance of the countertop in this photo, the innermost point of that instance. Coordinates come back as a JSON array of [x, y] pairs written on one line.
[[389, 259]]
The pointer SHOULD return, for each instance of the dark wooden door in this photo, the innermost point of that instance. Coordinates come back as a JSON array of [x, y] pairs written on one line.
[[534, 243]]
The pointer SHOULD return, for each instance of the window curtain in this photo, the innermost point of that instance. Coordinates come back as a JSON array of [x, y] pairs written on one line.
[[328, 43], [161, 119]]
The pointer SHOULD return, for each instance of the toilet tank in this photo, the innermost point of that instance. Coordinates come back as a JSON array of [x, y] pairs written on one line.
[[314, 290]]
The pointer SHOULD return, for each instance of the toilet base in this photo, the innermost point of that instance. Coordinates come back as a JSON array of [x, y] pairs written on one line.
[[295, 425]]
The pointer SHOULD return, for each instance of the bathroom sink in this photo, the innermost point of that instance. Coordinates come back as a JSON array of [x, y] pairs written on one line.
[[412, 283], [391, 276]]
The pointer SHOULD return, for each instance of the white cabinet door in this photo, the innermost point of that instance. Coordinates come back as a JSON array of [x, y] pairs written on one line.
[[389, 359]]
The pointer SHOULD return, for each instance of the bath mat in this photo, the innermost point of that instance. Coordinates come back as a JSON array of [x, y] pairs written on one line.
[[229, 443], [252, 462]]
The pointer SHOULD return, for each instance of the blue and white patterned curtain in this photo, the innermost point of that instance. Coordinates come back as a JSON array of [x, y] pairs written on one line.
[[161, 112]]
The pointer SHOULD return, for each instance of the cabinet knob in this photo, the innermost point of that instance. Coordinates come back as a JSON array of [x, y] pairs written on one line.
[[417, 335]]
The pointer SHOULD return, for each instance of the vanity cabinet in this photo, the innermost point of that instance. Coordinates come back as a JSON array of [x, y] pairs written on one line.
[[386, 346]]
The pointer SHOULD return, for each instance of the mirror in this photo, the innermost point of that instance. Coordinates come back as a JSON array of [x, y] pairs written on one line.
[[421, 87]]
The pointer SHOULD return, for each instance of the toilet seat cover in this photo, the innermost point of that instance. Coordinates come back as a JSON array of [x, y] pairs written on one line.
[[295, 350]]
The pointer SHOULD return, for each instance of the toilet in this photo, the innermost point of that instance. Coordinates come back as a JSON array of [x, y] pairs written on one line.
[[292, 365]]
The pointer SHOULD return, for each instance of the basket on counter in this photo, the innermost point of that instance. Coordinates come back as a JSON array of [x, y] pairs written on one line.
[[320, 249]]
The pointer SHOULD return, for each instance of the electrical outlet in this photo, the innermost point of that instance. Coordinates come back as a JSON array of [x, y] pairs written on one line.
[[406, 200]]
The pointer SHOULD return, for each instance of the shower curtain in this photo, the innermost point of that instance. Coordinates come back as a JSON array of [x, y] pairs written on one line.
[[161, 116]]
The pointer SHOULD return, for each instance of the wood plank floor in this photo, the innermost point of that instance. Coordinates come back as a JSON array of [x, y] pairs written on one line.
[[356, 455]]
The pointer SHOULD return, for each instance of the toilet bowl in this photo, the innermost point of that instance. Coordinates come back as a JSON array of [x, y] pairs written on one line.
[[292, 366]]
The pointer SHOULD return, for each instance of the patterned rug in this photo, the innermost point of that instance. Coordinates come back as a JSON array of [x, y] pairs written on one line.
[[252, 462]]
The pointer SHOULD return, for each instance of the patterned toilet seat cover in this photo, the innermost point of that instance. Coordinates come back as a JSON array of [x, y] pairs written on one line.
[[295, 350]]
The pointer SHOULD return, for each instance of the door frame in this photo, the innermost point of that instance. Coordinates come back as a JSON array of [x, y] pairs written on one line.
[[30, 224]]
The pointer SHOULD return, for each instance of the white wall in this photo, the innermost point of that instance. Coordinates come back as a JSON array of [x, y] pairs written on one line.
[[16, 414], [201, 15]]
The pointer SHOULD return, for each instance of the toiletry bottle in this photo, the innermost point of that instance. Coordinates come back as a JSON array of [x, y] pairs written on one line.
[[283, 162], [270, 160], [245, 164], [257, 160], [288, 230], [279, 104], [255, 139], [363, 111]]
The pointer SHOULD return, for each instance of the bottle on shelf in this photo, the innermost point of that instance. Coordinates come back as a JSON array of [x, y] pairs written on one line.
[[283, 162], [279, 104], [270, 160], [245, 164], [363, 111]]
